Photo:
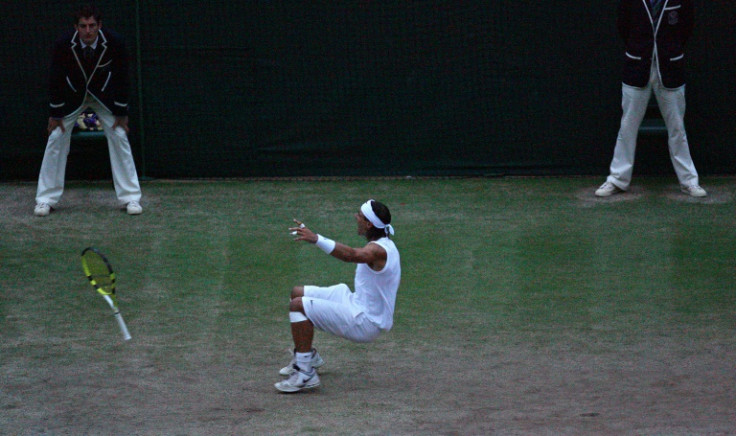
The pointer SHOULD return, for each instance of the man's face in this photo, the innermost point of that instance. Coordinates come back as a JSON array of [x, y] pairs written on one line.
[[363, 223], [88, 29]]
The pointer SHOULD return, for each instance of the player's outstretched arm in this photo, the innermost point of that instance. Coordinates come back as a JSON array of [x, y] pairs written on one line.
[[372, 254]]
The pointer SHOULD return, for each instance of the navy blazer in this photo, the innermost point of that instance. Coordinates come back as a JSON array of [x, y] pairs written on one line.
[[106, 79], [667, 35]]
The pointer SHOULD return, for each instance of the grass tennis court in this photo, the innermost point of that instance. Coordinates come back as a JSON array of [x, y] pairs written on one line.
[[527, 306]]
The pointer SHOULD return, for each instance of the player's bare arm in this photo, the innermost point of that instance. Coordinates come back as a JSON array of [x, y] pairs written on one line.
[[371, 254]]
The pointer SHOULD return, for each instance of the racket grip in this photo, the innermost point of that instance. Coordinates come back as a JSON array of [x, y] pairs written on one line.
[[123, 327]]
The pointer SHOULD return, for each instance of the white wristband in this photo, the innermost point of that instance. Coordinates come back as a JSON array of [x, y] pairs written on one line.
[[325, 244]]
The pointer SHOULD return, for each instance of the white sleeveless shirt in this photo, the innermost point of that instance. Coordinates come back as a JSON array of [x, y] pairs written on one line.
[[375, 291]]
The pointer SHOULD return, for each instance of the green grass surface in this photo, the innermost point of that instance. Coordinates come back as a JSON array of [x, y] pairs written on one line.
[[503, 281]]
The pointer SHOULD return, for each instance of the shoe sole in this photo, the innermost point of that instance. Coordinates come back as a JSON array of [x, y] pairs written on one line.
[[606, 194], [293, 389], [705, 194]]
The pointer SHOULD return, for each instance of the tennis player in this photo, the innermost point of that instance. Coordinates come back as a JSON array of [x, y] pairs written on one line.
[[358, 316]]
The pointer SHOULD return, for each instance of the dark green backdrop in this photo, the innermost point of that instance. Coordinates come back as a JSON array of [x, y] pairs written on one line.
[[275, 88]]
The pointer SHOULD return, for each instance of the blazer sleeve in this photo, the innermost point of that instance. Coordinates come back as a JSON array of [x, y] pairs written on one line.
[[57, 81], [122, 74]]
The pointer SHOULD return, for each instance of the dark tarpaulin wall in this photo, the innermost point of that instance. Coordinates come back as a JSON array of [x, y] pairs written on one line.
[[264, 88]]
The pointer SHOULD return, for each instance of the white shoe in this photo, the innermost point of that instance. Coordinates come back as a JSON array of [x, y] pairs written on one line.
[[289, 369], [693, 191], [299, 381], [42, 209], [607, 189], [134, 208]]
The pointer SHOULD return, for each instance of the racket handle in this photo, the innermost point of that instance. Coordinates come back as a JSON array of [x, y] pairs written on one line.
[[123, 327]]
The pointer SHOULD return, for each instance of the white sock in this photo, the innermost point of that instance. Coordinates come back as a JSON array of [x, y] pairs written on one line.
[[304, 361]]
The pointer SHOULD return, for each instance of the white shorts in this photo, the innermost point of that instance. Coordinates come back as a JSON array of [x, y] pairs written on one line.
[[331, 310]]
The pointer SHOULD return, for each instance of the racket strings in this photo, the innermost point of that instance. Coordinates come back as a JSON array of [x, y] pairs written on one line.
[[98, 272]]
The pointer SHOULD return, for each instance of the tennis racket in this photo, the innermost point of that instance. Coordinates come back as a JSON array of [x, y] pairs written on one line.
[[102, 278]]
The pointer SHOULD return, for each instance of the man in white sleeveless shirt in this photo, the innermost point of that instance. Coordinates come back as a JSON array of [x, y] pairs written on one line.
[[358, 316]]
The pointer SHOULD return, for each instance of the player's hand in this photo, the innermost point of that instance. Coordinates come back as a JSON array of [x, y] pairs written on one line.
[[53, 124], [302, 233], [121, 122]]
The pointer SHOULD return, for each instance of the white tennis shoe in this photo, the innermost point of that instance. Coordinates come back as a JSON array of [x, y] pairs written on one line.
[[693, 190], [299, 381], [289, 369], [134, 208], [42, 209], [607, 189]]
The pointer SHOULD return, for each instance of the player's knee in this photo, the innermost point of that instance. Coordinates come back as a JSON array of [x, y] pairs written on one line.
[[295, 305], [297, 291]]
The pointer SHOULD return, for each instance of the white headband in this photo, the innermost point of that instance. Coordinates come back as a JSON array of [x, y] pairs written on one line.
[[367, 210]]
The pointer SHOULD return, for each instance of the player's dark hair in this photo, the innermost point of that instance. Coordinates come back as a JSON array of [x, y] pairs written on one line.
[[384, 215], [86, 11]]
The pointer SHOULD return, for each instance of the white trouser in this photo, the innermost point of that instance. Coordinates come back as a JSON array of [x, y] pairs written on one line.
[[672, 106], [331, 309], [53, 167]]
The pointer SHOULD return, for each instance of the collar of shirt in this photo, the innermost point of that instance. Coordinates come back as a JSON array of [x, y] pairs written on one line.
[[93, 45]]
